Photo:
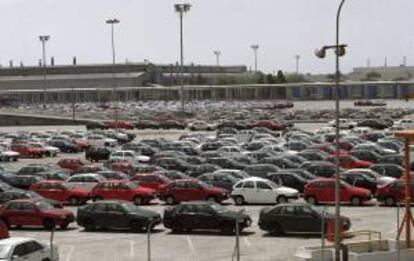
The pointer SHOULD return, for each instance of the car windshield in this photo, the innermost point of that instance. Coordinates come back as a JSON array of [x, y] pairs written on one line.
[[203, 184], [132, 185], [44, 205], [4, 251], [36, 145], [218, 208], [272, 184]]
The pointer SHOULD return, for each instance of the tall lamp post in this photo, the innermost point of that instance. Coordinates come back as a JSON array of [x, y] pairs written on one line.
[[321, 53], [44, 39], [255, 47], [217, 54], [297, 58], [113, 22], [181, 9]]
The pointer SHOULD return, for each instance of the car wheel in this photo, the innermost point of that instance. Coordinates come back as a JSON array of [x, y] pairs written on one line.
[[97, 198], [136, 226], [281, 200], [389, 201], [170, 200], [64, 226], [74, 201], [6, 222], [48, 154], [89, 225], [311, 200], [212, 199], [228, 228], [14, 159], [49, 224], [356, 201], [277, 230], [138, 200], [239, 200], [177, 227]]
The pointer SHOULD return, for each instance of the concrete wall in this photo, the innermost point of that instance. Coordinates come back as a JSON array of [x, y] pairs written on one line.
[[9, 119]]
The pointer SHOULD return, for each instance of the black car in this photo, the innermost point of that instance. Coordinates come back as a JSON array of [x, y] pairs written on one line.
[[387, 169], [203, 168], [261, 170], [92, 125], [64, 146], [296, 218], [366, 155], [32, 169], [95, 154], [171, 163], [141, 148], [281, 162], [313, 155], [204, 215], [392, 159], [303, 173], [226, 163], [220, 180], [23, 181], [360, 180], [174, 174], [288, 179], [108, 214], [322, 169], [373, 123]]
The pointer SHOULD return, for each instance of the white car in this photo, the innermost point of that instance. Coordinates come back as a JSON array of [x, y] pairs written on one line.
[[126, 155], [50, 150], [86, 181], [7, 154], [405, 123], [343, 124], [201, 126], [101, 141], [258, 191], [26, 249]]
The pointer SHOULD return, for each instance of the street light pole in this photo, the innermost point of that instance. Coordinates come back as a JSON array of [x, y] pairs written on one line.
[[44, 39], [113, 22], [217, 53], [255, 47], [297, 57], [181, 9], [339, 51]]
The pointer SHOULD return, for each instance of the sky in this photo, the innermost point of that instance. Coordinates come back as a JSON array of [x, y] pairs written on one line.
[[149, 29]]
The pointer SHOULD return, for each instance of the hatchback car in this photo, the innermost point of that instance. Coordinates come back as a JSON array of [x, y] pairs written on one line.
[[323, 191], [56, 190], [116, 214], [256, 190], [123, 190], [190, 190], [151, 180], [394, 192], [19, 248], [205, 216], [26, 212], [297, 218]]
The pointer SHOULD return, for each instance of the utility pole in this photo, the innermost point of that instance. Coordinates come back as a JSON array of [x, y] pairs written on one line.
[[181, 9], [255, 47], [44, 39], [113, 22], [217, 53], [297, 57]]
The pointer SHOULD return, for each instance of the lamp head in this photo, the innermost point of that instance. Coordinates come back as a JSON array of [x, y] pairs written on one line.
[[340, 50], [320, 53]]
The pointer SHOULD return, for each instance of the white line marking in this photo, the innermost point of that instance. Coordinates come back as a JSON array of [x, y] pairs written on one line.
[[131, 248], [191, 245], [246, 241], [69, 255]]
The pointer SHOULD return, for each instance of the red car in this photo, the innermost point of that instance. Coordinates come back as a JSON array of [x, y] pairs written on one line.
[[189, 190], [120, 125], [124, 190], [393, 192], [328, 148], [276, 126], [323, 191], [26, 212], [72, 164], [88, 169], [151, 180], [82, 144], [27, 151], [56, 190], [350, 162]]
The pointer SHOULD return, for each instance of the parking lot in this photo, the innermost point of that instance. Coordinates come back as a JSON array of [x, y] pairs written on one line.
[[76, 244]]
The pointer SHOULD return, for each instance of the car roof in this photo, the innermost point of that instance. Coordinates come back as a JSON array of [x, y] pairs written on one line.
[[197, 202], [50, 181], [15, 240], [253, 179], [321, 179]]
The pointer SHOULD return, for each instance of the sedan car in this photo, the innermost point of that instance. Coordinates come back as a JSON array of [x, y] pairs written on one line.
[[26, 212], [204, 215], [118, 214], [20, 248], [220, 180], [297, 218], [256, 190]]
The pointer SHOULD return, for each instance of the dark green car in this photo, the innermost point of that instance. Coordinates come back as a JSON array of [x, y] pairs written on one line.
[[296, 218], [111, 214]]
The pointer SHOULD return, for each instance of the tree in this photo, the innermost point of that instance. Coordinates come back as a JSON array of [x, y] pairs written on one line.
[[280, 77], [270, 79]]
